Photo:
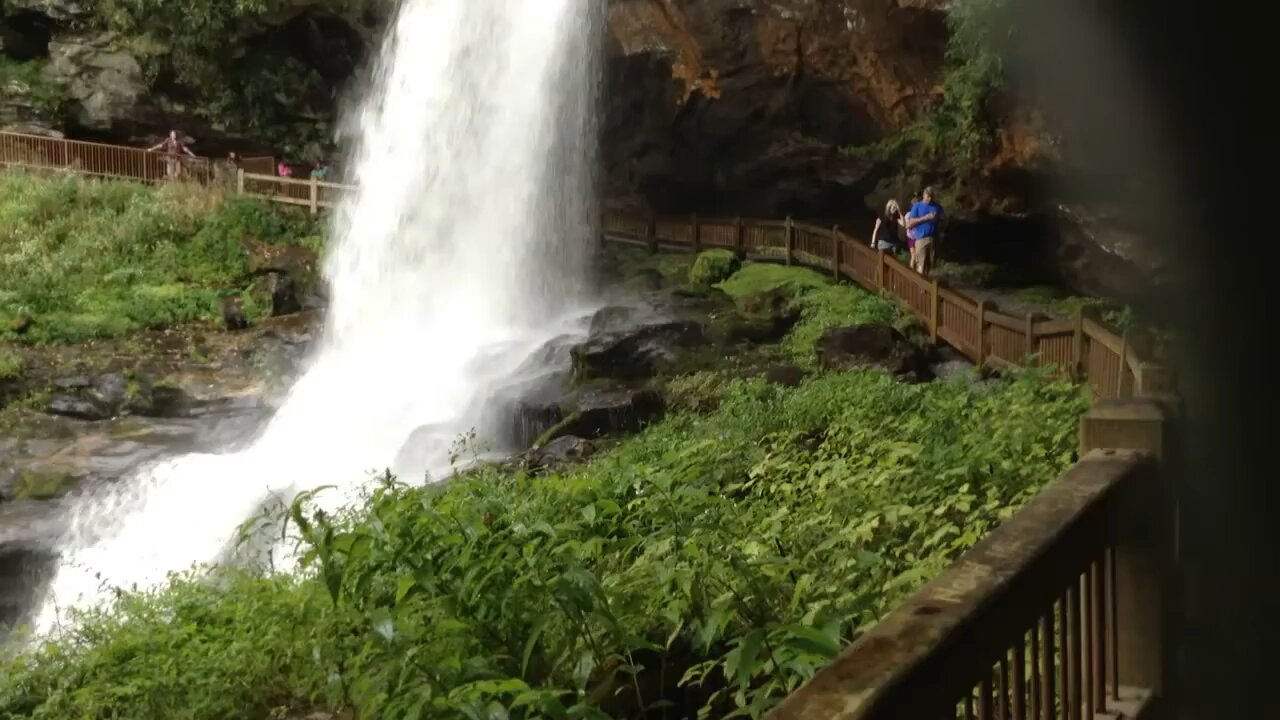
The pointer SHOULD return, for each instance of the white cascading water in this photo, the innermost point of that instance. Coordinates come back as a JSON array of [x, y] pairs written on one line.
[[460, 255]]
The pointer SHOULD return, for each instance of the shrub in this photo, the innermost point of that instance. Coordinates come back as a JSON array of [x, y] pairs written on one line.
[[11, 364], [712, 267]]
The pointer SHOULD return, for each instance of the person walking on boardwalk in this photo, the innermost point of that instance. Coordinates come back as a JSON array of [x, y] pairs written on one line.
[[173, 149], [890, 228], [924, 219]]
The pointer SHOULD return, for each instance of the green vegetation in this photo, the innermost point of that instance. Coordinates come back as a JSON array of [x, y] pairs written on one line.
[[1056, 302], [27, 79], [944, 146], [85, 259], [262, 91], [822, 304], [714, 561], [11, 364], [39, 485], [713, 266]]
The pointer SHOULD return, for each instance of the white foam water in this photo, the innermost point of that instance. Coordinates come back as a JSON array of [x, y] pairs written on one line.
[[465, 239]]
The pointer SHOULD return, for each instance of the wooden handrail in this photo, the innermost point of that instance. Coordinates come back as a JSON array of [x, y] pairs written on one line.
[[1042, 338]]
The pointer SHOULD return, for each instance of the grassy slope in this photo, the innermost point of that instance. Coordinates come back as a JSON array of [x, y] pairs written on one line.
[[721, 558], [87, 260]]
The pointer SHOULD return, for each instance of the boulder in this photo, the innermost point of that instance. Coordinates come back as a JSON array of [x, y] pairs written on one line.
[[613, 318], [636, 353], [54, 9], [233, 317], [764, 318], [76, 407], [784, 375], [871, 345], [295, 262], [103, 81], [595, 413], [563, 450], [712, 267], [108, 391], [277, 293]]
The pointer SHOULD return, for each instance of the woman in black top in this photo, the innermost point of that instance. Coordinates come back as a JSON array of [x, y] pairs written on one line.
[[890, 228]]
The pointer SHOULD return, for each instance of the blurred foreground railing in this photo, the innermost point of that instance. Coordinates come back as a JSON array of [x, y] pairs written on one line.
[[1057, 614]]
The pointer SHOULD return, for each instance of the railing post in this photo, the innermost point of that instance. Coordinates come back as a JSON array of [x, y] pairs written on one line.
[[1031, 335], [239, 181], [315, 196], [882, 269], [982, 332], [740, 240], [695, 234], [1124, 360], [1077, 347], [790, 238], [1140, 589], [935, 310], [651, 233], [835, 253]]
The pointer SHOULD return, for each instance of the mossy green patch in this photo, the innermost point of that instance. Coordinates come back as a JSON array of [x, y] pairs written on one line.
[[41, 485]]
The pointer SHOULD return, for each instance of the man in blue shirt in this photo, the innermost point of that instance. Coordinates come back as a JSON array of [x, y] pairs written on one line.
[[923, 220]]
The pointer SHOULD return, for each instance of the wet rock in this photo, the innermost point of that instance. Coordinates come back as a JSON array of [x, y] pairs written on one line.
[[294, 262], [637, 353], [233, 317], [593, 413], [764, 318], [77, 382], [784, 375], [645, 280], [167, 402], [613, 318], [77, 408], [108, 392], [103, 80], [563, 450], [277, 292], [871, 346]]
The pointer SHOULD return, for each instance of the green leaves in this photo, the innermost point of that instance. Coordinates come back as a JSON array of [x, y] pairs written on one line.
[[735, 552]]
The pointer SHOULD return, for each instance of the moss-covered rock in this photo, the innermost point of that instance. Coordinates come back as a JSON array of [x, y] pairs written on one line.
[[712, 267], [41, 485]]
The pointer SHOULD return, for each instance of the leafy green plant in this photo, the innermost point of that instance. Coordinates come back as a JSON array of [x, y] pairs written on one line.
[[27, 78], [707, 566]]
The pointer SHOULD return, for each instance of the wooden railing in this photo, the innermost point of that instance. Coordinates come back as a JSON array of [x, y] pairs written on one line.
[[1114, 364]]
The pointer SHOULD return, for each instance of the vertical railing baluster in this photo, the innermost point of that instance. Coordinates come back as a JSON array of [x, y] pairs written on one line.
[[1074, 683], [1003, 703], [1115, 624], [1086, 657], [1036, 669], [1064, 660], [1020, 680], [984, 698], [1098, 567]]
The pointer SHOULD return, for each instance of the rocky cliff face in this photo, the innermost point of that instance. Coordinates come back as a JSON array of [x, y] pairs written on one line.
[[719, 106]]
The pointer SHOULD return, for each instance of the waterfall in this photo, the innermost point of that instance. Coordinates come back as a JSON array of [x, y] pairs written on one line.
[[459, 256]]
